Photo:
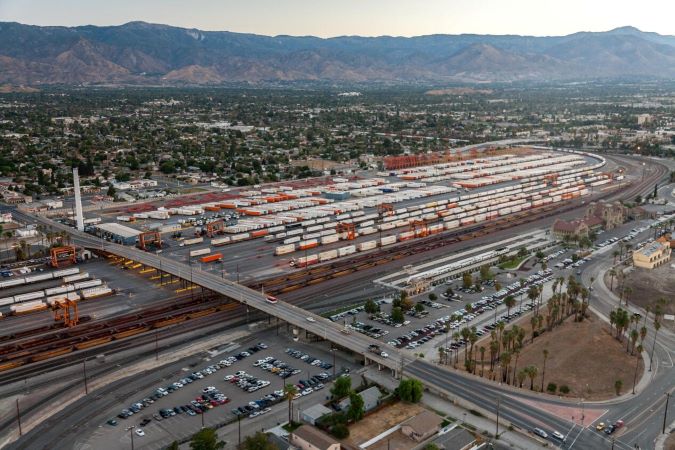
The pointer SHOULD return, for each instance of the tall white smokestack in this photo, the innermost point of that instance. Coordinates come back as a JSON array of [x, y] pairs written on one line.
[[78, 200]]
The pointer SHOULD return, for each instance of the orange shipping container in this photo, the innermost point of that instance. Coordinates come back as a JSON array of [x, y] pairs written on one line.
[[211, 208], [259, 233], [212, 257]]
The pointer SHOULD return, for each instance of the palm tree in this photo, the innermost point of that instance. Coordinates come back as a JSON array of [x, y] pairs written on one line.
[[510, 302], [615, 253], [633, 339], [521, 376], [482, 359], [532, 372], [532, 294], [516, 351], [505, 362], [612, 274], [290, 391], [637, 364], [543, 369], [441, 353], [455, 337]]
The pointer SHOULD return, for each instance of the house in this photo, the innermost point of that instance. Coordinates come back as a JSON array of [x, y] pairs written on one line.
[[314, 413], [652, 255], [371, 399], [308, 437], [422, 426]]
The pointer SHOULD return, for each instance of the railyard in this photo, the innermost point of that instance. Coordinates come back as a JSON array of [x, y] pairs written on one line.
[[435, 227]]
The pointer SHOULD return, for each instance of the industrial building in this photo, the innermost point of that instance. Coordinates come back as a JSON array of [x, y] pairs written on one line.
[[117, 233]]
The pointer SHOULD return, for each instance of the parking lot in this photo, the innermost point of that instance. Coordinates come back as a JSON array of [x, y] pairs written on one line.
[[245, 383], [456, 307]]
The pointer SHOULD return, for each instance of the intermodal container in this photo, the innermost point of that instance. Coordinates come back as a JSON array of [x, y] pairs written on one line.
[[305, 245], [329, 239], [220, 241], [192, 241], [328, 255], [387, 240], [200, 252], [211, 258], [284, 249], [348, 250]]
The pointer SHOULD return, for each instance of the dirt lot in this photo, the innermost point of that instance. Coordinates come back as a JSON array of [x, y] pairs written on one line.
[[582, 356], [670, 442], [380, 421], [649, 285]]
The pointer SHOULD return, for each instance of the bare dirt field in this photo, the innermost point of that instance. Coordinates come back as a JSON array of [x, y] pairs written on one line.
[[670, 442], [649, 285], [582, 356], [380, 421]]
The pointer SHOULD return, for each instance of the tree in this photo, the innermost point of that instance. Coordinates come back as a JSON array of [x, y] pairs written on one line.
[[356, 407], [532, 374], [290, 391], [371, 307], [419, 307], [433, 297], [173, 446], [206, 439], [410, 390], [510, 302], [543, 369], [407, 304], [467, 280], [341, 387], [258, 441], [111, 191], [618, 384], [397, 315], [431, 446], [340, 431], [485, 273]]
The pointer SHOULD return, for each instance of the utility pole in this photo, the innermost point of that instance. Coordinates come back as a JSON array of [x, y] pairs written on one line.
[[333, 350], [131, 433], [18, 416], [239, 426], [84, 370], [497, 430], [665, 413], [202, 415]]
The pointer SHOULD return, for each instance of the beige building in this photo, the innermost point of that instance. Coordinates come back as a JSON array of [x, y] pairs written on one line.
[[422, 426], [308, 437], [652, 255], [611, 214]]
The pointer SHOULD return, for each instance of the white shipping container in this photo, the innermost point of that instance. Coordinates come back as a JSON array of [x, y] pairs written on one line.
[[13, 282], [367, 231], [328, 255], [329, 239], [348, 250], [60, 289], [240, 237], [28, 307], [96, 292], [368, 245], [192, 241], [294, 232], [284, 249], [292, 240], [387, 240], [201, 251], [28, 296], [41, 277], [87, 284], [66, 272], [6, 301], [220, 241]]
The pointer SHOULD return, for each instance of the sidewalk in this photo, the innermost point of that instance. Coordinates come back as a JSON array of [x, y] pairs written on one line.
[[482, 425]]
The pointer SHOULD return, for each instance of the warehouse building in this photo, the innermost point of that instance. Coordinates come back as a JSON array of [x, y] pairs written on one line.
[[117, 233]]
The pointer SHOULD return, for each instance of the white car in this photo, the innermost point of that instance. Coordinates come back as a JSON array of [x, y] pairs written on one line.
[[307, 391], [139, 432], [311, 319], [558, 435]]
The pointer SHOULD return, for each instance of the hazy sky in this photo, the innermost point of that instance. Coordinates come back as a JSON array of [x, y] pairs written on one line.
[[356, 17]]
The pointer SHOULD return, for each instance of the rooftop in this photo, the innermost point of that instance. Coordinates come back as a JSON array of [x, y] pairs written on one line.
[[314, 436], [652, 248], [118, 230]]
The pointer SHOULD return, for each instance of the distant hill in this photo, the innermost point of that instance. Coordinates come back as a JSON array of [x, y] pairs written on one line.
[[142, 53]]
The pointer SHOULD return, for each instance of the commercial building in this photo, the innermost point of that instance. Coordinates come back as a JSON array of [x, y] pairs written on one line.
[[611, 214], [653, 255], [308, 437], [562, 228]]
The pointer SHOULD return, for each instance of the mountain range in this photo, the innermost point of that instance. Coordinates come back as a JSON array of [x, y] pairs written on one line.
[[151, 54]]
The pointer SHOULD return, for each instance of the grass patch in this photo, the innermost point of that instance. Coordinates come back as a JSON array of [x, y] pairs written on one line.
[[291, 427], [512, 263]]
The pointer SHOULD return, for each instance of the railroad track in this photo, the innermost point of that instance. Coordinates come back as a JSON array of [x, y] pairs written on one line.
[[317, 274], [94, 334]]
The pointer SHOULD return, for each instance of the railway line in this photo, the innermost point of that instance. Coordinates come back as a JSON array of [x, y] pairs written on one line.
[[95, 333]]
